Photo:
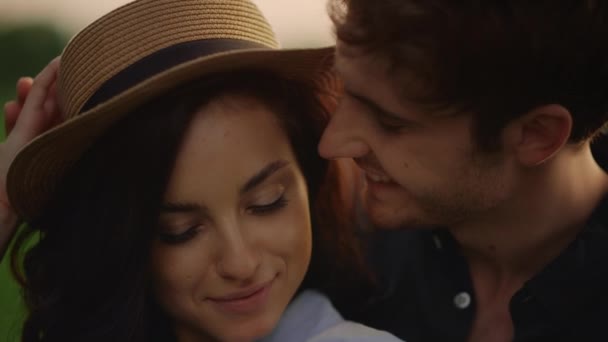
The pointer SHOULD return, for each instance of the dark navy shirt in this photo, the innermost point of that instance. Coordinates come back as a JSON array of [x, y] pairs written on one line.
[[426, 294]]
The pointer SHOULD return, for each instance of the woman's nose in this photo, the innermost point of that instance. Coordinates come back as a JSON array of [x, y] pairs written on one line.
[[237, 259]]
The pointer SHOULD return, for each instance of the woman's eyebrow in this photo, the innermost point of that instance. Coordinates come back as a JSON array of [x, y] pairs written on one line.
[[262, 175], [170, 208], [255, 180]]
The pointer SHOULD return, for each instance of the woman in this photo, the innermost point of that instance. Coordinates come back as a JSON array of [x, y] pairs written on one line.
[[182, 199]]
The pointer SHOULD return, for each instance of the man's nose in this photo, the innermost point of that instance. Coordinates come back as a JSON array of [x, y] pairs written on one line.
[[344, 136]]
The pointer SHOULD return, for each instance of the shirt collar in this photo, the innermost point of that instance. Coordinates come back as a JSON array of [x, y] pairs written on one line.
[[570, 284]]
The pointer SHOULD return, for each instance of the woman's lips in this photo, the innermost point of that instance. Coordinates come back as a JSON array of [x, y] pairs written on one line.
[[244, 301]]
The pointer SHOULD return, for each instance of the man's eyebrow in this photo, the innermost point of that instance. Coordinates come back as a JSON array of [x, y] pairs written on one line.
[[382, 113], [262, 175], [372, 105]]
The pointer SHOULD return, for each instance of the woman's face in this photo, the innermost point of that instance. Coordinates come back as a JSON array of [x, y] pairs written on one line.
[[234, 239]]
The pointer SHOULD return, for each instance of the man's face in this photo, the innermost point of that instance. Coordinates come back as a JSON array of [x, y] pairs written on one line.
[[421, 168]]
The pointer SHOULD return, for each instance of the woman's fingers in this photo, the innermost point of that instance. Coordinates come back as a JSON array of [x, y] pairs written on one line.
[[12, 109], [11, 113], [39, 110], [24, 85]]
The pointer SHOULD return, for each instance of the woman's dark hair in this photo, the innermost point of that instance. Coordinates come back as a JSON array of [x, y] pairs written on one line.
[[494, 59], [87, 278]]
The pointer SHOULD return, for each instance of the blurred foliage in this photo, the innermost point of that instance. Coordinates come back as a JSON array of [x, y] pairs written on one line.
[[25, 51]]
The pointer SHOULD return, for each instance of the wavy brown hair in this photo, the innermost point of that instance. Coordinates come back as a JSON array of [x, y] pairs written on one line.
[[87, 277], [494, 59]]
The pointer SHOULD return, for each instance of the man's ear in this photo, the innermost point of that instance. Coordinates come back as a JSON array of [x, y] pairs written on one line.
[[539, 134]]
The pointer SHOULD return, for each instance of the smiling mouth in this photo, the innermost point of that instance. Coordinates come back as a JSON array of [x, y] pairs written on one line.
[[377, 177], [244, 301]]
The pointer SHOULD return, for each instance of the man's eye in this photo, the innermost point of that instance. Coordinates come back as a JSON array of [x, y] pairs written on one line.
[[278, 204], [173, 239], [390, 126]]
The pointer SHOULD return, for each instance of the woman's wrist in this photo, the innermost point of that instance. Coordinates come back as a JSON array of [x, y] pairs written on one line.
[[8, 226]]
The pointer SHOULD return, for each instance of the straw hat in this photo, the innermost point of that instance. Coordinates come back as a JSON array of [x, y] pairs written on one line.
[[135, 53]]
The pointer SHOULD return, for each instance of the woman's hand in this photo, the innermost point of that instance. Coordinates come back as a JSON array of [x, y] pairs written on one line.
[[33, 112]]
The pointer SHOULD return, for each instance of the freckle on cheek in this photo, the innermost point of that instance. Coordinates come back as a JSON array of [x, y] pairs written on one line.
[[406, 165]]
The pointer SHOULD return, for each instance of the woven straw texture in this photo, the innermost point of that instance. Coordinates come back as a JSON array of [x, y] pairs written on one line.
[[140, 28], [120, 39]]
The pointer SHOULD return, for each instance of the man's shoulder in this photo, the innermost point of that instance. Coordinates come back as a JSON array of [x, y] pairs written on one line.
[[397, 253], [419, 272]]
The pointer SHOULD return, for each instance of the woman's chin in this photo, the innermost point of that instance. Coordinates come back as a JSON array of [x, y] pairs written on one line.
[[252, 332]]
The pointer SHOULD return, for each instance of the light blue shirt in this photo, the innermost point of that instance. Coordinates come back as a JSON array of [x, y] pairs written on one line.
[[312, 318]]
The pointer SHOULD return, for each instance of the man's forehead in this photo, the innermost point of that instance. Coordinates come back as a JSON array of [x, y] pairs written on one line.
[[343, 49], [354, 62], [349, 56], [373, 76]]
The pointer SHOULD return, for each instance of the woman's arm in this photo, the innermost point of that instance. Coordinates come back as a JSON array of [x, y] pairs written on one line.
[[33, 112]]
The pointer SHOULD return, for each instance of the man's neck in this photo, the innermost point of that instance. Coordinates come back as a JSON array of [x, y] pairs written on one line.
[[546, 212], [511, 244]]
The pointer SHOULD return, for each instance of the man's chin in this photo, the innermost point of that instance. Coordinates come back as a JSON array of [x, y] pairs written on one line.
[[392, 225], [388, 207], [384, 218]]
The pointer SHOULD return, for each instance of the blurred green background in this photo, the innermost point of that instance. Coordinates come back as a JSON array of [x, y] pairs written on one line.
[[25, 51]]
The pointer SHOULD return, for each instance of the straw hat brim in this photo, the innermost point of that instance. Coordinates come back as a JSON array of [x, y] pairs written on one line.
[[39, 167]]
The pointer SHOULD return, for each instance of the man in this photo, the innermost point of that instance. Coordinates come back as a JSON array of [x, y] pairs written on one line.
[[472, 122]]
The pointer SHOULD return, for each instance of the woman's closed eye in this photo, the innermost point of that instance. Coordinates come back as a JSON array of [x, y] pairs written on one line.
[[180, 236], [268, 208]]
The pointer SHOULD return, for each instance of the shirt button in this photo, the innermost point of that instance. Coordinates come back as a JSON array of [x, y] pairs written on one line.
[[462, 300], [437, 241]]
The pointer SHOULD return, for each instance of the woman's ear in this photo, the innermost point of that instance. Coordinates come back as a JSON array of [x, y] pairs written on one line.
[[539, 134]]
